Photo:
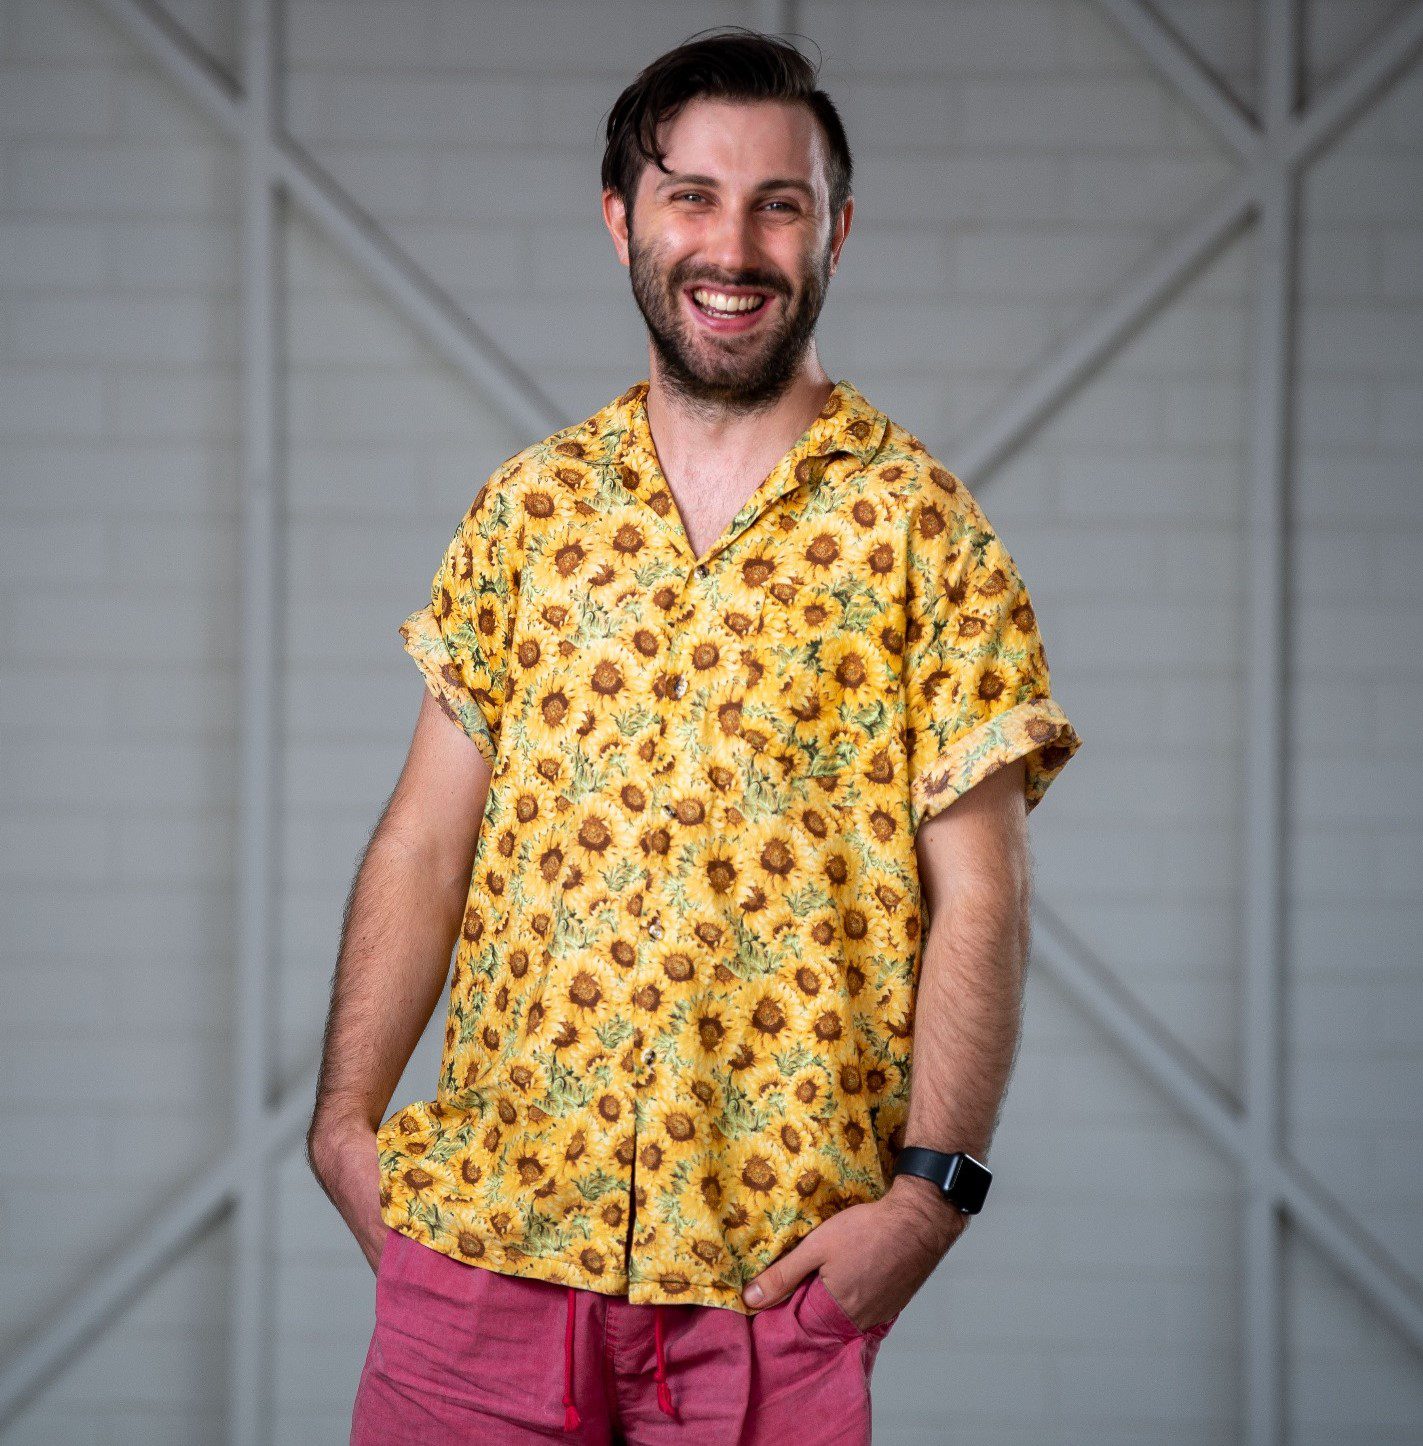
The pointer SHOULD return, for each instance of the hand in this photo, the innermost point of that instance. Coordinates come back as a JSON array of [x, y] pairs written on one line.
[[872, 1257], [346, 1160]]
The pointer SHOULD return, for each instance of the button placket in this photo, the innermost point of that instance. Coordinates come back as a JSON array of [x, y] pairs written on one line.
[[675, 687]]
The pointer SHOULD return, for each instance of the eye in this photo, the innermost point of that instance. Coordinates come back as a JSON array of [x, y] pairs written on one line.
[[789, 205], [682, 195]]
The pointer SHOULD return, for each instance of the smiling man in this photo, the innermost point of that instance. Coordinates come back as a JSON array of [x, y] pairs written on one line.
[[705, 673]]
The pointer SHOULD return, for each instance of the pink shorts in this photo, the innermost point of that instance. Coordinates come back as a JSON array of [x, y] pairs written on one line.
[[461, 1353]]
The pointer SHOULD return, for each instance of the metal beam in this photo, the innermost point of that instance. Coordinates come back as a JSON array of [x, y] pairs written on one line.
[[263, 481], [1187, 73], [1057, 376], [1059, 373], [1266, 744], [189, 1210], [1336, 1233], [430, 310], [1360, 86]]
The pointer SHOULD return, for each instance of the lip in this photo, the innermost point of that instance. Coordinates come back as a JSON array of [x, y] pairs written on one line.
[[728, 324]]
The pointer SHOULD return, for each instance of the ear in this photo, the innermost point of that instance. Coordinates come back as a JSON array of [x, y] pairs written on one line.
[[842, 230], [615, 219]]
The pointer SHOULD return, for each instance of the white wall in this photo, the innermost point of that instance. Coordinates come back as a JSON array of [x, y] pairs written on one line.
[[1015, 162]]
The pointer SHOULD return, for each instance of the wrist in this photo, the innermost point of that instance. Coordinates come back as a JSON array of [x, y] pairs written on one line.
[[925, 1200], [331, 1131]]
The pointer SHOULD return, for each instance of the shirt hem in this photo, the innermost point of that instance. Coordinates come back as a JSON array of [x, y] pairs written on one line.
[[560, 1272]]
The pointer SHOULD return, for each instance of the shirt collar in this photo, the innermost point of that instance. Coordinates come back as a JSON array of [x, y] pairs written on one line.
[[848, 427]]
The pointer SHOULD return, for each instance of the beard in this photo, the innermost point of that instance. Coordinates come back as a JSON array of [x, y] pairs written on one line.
[[741, 372]]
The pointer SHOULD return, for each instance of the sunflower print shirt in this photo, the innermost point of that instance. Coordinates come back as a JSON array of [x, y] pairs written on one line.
[[682, 1003]]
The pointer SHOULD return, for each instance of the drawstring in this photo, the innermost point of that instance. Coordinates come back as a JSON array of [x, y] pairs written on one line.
[[571, 1418], [570, 1413], [664, 1392]]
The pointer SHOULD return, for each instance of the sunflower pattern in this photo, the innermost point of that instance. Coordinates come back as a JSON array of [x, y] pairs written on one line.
[[680, 1016]]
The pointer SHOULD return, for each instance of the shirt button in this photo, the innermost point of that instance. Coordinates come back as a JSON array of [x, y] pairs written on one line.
[[702, 569], [670, 808], [655, 929], [679, 687], [648, 1055]]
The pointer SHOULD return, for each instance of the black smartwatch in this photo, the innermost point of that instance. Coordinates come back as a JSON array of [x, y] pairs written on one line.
[[962, 1180]]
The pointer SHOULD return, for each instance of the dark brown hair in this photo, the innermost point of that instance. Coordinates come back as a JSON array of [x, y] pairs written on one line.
[[730, 63]]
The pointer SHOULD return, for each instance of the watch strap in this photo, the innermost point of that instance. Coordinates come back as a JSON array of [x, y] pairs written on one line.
[[962, 1180]]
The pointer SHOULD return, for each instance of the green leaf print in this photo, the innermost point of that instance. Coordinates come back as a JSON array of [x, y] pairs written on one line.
[[672, 1213], [849, 1172], [790, 1062], [567, 1090], [739, 1115], [541, 1235], [613, 1032], [598, 1183]]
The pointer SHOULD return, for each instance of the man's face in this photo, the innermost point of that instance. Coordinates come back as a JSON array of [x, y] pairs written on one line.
[[741, 216]]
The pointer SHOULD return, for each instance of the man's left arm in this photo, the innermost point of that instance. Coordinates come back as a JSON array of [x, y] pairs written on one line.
[[974, 867]]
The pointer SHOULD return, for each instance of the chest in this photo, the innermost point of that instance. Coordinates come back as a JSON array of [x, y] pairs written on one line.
[[707, 504]]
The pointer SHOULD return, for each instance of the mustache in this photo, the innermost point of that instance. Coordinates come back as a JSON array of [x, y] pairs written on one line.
[[750, 283]]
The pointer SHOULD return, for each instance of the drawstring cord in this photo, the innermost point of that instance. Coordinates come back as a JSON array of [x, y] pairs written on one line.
[[664, 1392], [571, 1418]]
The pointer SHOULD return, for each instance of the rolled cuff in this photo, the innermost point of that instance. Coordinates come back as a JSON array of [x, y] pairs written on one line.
[[426, 644], [1037, 730]]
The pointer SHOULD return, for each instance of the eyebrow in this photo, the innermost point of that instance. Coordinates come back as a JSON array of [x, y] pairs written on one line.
[[785, 183]]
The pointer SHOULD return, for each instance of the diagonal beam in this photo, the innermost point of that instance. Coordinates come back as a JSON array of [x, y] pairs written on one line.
[[192, 1208], [421, 300], [1367, 77], [1056, 376], [1187, 72], [1172, 1069]]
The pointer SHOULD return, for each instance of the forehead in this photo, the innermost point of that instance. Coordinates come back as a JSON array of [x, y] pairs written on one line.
[[741, 143]]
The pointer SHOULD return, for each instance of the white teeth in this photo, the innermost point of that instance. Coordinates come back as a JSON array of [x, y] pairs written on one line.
[[728, 305]]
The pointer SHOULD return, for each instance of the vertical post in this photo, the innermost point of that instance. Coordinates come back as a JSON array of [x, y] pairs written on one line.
[[248, 1405], [1265, 683]]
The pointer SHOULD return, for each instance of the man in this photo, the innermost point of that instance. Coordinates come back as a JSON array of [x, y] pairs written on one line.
[[704, 674]]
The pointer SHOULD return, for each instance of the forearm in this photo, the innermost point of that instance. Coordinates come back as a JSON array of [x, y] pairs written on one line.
[[400, 927], [967, 1017]]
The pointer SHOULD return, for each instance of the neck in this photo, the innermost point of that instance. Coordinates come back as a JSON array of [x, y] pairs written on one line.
[[695, 439]]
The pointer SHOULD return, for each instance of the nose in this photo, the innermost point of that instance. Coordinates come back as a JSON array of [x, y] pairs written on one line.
[[729, 242]]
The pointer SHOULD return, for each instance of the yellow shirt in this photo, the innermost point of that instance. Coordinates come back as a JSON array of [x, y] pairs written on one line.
[[687, 968]]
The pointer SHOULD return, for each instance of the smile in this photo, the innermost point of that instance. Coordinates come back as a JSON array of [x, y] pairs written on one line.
[[722, 303]]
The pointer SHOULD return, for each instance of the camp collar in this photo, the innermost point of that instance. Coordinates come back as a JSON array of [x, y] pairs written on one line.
[[848, 426]]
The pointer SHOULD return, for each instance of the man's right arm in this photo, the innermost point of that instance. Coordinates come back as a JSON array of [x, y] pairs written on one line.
[[401, 921]]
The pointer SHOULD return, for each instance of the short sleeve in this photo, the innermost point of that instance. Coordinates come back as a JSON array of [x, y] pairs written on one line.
[[462, 640], [977, 690]]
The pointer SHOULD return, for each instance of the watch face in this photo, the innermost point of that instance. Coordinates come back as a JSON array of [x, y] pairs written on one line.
[[968, 1186]]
